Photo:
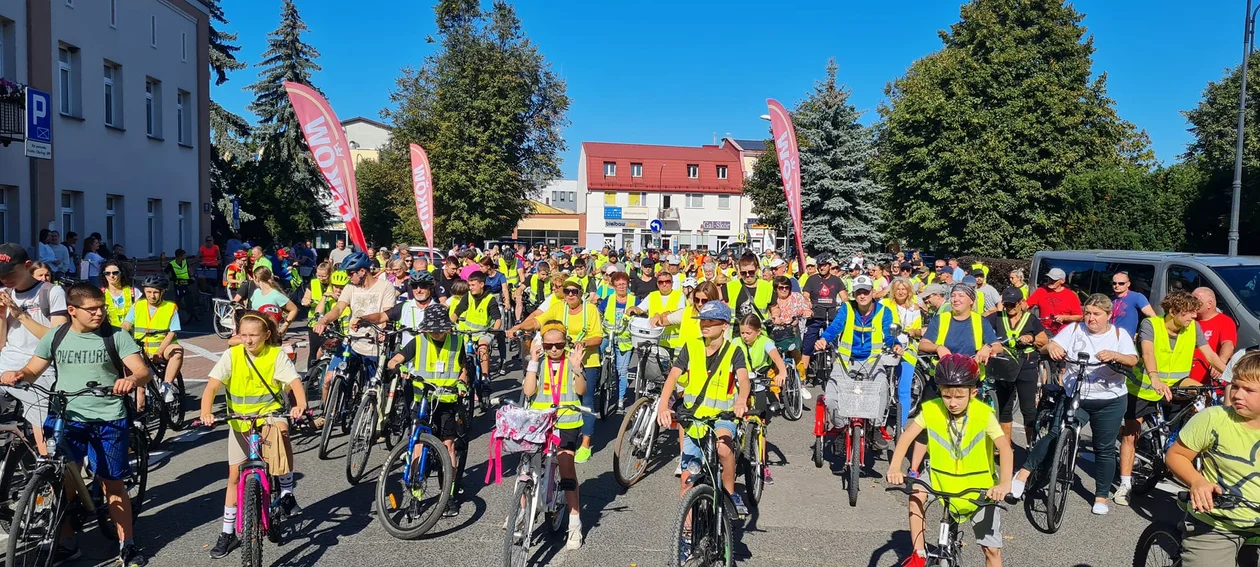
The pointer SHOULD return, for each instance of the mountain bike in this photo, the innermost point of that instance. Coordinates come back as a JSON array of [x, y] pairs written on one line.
[[703, 534], [606, 392], [1160, 543], [1159, 432], [380, 411], [15, 469], [344, 391], [416, 481], [949, 543], [637, 436]]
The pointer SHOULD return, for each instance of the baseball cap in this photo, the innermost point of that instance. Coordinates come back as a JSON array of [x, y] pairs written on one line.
[[968, 281], [777, 262], [933, 289], [811, 262], [11, 256], [715, 311], [978, 273], [1012, 295], [905, 267], [1056, 274], [675, 261], [862, 283]]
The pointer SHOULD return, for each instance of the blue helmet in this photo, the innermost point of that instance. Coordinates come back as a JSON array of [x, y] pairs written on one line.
[[356, 261]]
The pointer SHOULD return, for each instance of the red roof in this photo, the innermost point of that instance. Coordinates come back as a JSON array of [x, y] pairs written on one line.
[[672, 177]]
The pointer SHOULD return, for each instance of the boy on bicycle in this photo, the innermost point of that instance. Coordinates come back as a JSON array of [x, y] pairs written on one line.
[[962, 432], [153, 323], [1226, 438]]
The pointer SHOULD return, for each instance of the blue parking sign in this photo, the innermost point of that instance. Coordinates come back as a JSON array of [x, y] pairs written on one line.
[[38, 124]]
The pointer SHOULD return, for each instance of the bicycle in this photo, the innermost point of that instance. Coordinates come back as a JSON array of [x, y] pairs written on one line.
[[44, 504], [224, 318], [1160, 543], [536, 492], [704, 535], [422, 458], [637, 436], [15, 468], [478, 383], [865, 402], [752, 441], [158, 416], [606, 392], [378, 412], [949, 544], [1160, 432], [344, 391], [188, 299]]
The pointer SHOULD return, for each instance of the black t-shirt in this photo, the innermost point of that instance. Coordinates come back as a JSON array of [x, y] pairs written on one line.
[[442, 287], [1032, 327], [737, 360], [641, 288], [824, 295]]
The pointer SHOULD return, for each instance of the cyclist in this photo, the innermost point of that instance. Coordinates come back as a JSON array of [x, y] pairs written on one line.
[[435, 358], [1022, 335], [713, 375], [1225, 437], [826, 293], [763, 357], [961, 331], [178, 271], [906, 313], [1055, 303], [312, 297], [257, 375], [95, 428], [477, 311], [962, 433], [265, 292], [561, 383], [614, 309], [119, 295], [586, 281], [748, 294], [31, 307], [1167, 345], [237, 273], [658, 305], [410, 314], [210, 258], [1017, 279], [154, 323], [788, 313], [860, 328], [365, 293]]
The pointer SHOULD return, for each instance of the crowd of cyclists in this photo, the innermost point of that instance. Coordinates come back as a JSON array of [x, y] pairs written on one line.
[[962, 356]]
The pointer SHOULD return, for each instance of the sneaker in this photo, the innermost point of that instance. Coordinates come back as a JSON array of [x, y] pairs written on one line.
[[452, 509], [583, 455], [575, 539], [224, 545], [678, 469], [129, 557], [168, 393], [65, 554], [915, 560], [740, 508], [1122, 495], [1101, 508], [766, 476], [290, 506]]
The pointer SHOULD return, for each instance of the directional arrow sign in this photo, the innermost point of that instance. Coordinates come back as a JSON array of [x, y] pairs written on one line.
[[655, 225]]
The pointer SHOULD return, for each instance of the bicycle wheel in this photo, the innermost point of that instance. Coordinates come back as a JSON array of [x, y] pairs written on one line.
[[16, 470], [332, 411], [138, 461], [37, 521], [604, 403], [754, 476], [174, 413], [1062, 475], [1158, 546], [855, 462], [410, 504], [790, 396], [251, 523], [818, 452], [702, 536], [362, 437], [558, 513], [634, 443], [1042, 425], [1148, 462], [154, 412], [314, 378], [395, 428], [221, 323], [517, 537]]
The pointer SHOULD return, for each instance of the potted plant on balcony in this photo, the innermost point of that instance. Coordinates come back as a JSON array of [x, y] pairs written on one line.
[[12, 93]]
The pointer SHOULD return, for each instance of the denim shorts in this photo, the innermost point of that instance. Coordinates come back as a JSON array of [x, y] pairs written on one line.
[[104, 443], [691, 451]]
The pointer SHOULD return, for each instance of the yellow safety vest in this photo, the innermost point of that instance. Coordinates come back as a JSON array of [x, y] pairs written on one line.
[[578, 334], [116, 314], [958, 464], [246, 392], [1011, 334], [657, 305], [720, 395], [1173, 362], [845, 345], [562, 379], [150, 330], [689, 329], [317, 295], [755, 354], [762, 295], [509, 270], [537, 288], [477, 316], [980, 266], [1024, 290], [978, 306], [181, 272], [439, 366], [610, 319], [977, 331]]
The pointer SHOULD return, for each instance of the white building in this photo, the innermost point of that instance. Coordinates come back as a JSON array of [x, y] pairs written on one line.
[[561, 194], [696, 194], [130, 92]]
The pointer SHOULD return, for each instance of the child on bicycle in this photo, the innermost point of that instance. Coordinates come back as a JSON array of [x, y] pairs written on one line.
[[562, 379], [257, 374], [762, 356], [1226, 438], [154, 322], [958, 424], [437, 359]]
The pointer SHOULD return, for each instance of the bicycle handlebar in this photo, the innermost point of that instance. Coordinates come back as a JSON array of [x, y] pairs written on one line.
[[92, 389], [1222, 501], [508, 402], [910, 484], [224, 417]]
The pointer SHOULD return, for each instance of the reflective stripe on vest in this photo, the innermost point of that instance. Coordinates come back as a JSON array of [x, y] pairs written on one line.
[[148, 330], [610, 319], [658, 305], [720, 395], [1173, 363], [117, 314], [1009, 335], [476, 316], [246, 393], [439, 368], [959, 464], [755, 354], [876, 329], [977, 332], [562, 378]]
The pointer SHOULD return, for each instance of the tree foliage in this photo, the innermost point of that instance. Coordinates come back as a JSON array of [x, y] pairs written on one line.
[[488, 109], [227, 130], [1129, 208], [977, 138]]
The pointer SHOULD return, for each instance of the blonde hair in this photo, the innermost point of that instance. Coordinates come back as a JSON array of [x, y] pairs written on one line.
[[901, 282], [1247, 369], [1100, 301], [263, 274]]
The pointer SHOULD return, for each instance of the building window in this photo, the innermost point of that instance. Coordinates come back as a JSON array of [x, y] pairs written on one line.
[[113, 203], [610, 169], [183, 119], [113, 95], [71, 204], [638, 199], [153, 107], [155, 227], [183, 46], [572, 196], [695, 201], [610, 198], [113, 13], [67, 79], [4, 29], [152, 31], [185, 224], [721, 172], [724, 202], [693, 171], [636, 170]]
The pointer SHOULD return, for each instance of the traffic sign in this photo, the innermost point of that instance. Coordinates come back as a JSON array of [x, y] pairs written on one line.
[[655, 225], [38, 124], [613, 213]]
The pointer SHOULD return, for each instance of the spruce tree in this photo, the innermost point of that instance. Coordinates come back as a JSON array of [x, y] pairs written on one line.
[[227, 130]]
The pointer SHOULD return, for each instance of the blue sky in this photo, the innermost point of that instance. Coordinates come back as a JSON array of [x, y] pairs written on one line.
[[678, 72]]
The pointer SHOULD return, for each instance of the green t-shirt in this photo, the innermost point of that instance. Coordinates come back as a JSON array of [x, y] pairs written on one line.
[[1229, 452], [83, 358]]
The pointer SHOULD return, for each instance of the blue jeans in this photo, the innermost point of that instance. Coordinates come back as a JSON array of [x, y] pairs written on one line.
[[622, 361], [369, 363], [588, 400], [903, 390]]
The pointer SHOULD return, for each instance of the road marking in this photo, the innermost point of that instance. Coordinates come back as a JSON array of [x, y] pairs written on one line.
[[201, 352]]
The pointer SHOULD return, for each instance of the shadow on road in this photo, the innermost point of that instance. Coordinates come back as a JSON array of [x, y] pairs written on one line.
[[898, 545], [324, 523]]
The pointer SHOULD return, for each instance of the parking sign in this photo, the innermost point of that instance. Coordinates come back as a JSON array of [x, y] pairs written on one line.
[[38, 124]]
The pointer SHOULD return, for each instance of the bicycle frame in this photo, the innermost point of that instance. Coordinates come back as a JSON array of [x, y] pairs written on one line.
[[949, 538], [253, 466], [420, 425]]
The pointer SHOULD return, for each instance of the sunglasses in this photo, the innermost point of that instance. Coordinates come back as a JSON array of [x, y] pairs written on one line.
[[97, 309], [1119, 283], [748, 273], [699, 300], [113, 273], [554, 346], [421, 285], [663, 282], [572, 291], [783, 287]]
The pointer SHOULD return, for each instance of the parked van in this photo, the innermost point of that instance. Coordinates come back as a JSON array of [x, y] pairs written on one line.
[[1236, 279]]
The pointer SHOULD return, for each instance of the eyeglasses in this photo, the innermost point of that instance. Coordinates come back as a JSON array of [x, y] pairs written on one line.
[[783, 287], [748, 272], [572, 291], [97, 309], [113, 273], [556, 346], [1119, 283], [664, 282]]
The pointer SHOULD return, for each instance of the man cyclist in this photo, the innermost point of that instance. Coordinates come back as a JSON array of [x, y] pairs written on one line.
[[366, 293], [826, 293], [410, 314], [748, 295], [154, 323], [478, 312], [179, 273]]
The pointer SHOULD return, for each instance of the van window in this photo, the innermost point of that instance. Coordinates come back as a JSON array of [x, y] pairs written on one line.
[[1080, 274], [1187, 279], [1244, 281], [1142, 276]]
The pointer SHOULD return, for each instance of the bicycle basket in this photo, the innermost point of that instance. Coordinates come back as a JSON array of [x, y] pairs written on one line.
[[517, 430], [864, 399], [643, 332]]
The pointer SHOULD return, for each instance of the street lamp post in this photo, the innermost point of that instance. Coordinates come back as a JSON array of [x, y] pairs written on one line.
[[1249, 44]]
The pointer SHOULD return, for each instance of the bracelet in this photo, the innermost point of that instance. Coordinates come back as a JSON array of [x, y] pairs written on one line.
[[532, 366]]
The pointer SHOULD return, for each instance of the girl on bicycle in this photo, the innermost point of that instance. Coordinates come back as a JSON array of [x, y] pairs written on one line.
[[563, 380], [119, 294], [257, 369], [900, 301], [265, 292], [762, 357]]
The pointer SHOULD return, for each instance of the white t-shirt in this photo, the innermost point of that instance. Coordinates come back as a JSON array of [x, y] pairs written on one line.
[[1228, 376], [20, 345], [376, 299], [284, 370], [1103, 383]]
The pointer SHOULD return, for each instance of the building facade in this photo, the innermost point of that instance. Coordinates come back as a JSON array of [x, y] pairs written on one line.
[[552, 226], [366, 137], [696, 194], [129, 86], [562, 194]]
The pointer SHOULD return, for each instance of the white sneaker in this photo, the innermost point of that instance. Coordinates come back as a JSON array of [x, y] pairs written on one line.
[[1101, 508], [575, 539], [805, 395], [1122, 495], [678, 469], [168, 393]]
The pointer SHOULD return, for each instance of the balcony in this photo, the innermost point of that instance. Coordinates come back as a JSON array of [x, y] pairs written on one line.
[[12, 118], [668, 214]]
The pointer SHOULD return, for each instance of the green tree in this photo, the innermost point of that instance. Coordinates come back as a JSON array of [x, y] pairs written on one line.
[[227, 130], [977, 138], [488, 109], [292, 196], [387, 215], [840, 202], [765, 189], [1129, 208]]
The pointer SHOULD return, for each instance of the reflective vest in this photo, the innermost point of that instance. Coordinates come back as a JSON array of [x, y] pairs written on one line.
[[584, 282], [1024, 290], [578, 333], [876, 328], [262, 261], [720, 394], [943, 321], [509, 270], [978, 306], [317, 295], [761, 296], [804, 279], [755, 356], [117, 313], [560, 381], [246, 392], [959, 463], [689, 329], [181, 272], [410, 319], [439, 366], [537, 288], [1172, 362], [980, 266], [611, 321], [1010, 335], [150, 330], [658, 305], [476, 317], [911, 352]]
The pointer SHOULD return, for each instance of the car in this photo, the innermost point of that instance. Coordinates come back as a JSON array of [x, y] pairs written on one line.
[[433, 254]]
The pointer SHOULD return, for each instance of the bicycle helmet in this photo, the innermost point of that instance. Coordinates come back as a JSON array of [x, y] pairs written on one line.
[[690, 282], [155, 281], [273, 312], [355, 262], [339, 278], [241, 255], [957, 370], [422, 279], [437, 319]]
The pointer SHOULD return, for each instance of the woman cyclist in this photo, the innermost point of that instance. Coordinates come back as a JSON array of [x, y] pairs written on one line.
[[119, 295], [788, 312], [900, 301], [265, 292]]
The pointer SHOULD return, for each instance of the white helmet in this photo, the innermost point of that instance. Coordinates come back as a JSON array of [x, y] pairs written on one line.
[[690, 282]]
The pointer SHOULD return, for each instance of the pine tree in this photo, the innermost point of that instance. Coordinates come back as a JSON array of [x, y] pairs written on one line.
[[227, 130], [840, 202], [290, 194]]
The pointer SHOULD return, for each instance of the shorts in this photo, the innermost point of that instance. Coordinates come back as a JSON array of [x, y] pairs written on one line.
[[238, 444], [570, 438], [104, 443], [791, 343], [691, 451], [450, 421], [1139, 408], [369, 363], [813, 329], [986, 525]]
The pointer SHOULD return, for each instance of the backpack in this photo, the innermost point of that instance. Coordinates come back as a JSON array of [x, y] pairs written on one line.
[[105, 332]]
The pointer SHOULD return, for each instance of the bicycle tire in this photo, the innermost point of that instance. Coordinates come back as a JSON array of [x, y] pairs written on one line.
[[220, 330], [1042, 425], [790, 396], [362, 437], [14, 474], [855, 463], [175, 414], [1158, 546], [556, 517], [624, 448], [818, 452], [352, 392], [1150, 469], [251, 523], [604, 395], [1060, 481], [137, 482], [754, 479], [44, 481], [517, 543], [315, 378], [394, 428], [154, 412], [387, 502], [712, 553], [331, 412]]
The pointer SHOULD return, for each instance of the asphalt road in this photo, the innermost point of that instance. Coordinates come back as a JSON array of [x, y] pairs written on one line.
[[804, 519]]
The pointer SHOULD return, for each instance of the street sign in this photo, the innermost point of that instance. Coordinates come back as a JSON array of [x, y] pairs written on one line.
[[655, 225], [613, 213], [38, 124], [743, 237]]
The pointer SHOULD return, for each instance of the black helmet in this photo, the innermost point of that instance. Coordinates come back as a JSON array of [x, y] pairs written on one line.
[[356, 262], [155, 281], [437, 319], [422, 278], [957, 370]]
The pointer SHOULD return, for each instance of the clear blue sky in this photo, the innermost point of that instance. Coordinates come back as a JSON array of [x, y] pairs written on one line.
[[671, 72]]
